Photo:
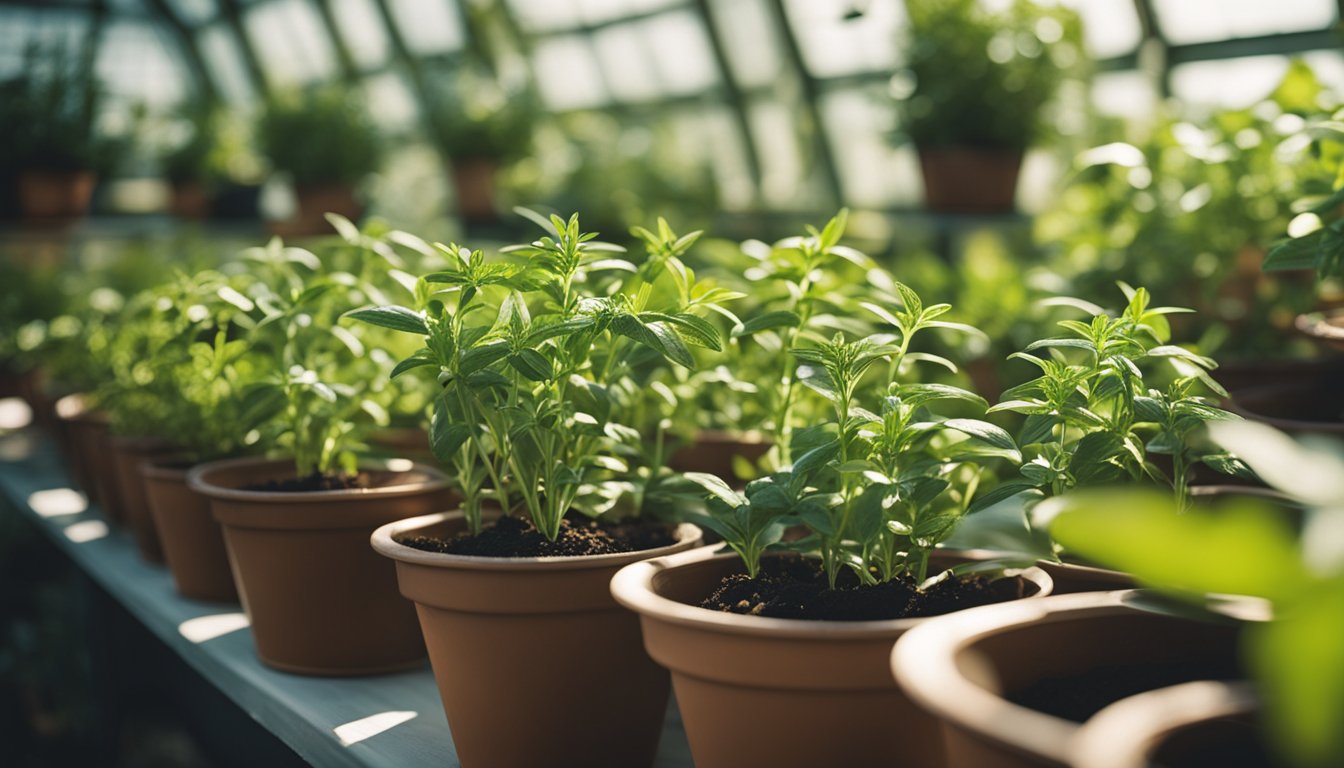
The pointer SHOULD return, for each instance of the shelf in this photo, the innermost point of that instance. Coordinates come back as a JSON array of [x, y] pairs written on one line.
[[387, 720]]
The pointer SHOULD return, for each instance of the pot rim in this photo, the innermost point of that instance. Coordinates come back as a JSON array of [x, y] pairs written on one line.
[[632, 587], [384, 544], [924, 663], [1145, 719], [75, 407], [198, 479], [1318, 326]]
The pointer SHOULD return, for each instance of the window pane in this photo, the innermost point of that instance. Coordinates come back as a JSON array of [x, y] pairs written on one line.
[[835, 42], [859, 127], [597, 11], [544, 15], [362, 28], [1193, 21], [428, 26], [391, 102], [750, 40], [194, 12], [776, 137], [290, 41], [22, 27], [1110, 27], [133, 64], [681, 52], [625, 60], [220, 51], [567, 73], [1124, 94], [1232, 84]]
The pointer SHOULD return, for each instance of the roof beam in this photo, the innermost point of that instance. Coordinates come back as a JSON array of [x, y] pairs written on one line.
[[187, 43]]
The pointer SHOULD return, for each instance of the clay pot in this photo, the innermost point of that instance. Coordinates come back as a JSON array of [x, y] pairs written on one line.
[[1207, 722], [1326, 329], [474, 188], [967, 180], [1237, 375], [193, 544], [127, 455], [314, 201], [401, 442], [55, 195], [1074, 578], [72, 417], [1297, 406], [713, 451], [190, 200], [759, 691], [91, 454], [536, 663], [970, 669], [320, 601]]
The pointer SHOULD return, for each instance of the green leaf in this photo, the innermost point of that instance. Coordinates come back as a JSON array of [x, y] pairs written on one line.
[[396, 318], [1296, 253], [768, 321], [411, 363], [483, 356], [985, 432], [918, 394], [671, 345], [445, 435], [716, 488], [532, 364], [1001, 492]]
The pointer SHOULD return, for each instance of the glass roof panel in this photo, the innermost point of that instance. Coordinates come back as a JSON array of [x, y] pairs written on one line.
[[1110, 27], [134, 64], [598, 11], [1229, 84], [22, 27], [567, 73], [428, 26], [626, 63], [1124, 94], [775, 134], [858, 127], [836, 41], [195, 12], [750, 41], [219, 48], [362, 29], [546, 15], [390, 102], [291, 42], [681, 51], [1195, 21]]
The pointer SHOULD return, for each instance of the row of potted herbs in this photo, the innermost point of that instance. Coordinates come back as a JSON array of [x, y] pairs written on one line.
[[554, 374]]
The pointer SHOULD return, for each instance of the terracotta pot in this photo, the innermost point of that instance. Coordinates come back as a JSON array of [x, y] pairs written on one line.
[[193, 543], [969, 669], [1237, 375], [314, 201], [1206, 722], [474, 188], [967, 180], [759, 691], [91, 455], [127, 455], [190, 200], [320, 601], [402, 442], [1074, 578], [1301, 406], [72, 417], [55, 195], [1326, 329], [713, 451], [536, 663]]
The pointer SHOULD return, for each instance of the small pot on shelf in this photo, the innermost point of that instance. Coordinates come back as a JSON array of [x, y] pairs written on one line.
[[536, 663], [312, 203], [320, 601], [55, 196], [474, 188], [127, 455], [970, 179], [757, 691], [193, 543], [714, 451]]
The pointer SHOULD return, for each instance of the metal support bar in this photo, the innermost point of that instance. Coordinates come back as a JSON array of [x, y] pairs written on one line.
[[733, 94], [187, 43], [343, 58], [233, 17]]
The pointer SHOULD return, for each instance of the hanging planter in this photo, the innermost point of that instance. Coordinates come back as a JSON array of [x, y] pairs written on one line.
[[193, 544], [768, 692], [320, 601], [508, 704]]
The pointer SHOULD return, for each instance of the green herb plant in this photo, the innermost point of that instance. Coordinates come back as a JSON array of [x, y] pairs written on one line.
[[319, 137], [1316, 234], [527, 349]]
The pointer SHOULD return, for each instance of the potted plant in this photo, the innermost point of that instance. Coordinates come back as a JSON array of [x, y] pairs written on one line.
[[326, 143], [190, 162], [785, 657], [980, 82], [50, 127], [1285, 636], [478, 130], [297, 528], [528, 350]]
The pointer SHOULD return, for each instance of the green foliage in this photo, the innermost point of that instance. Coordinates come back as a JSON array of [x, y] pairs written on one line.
[[323, 136], [480, 120], [1316, 234], [1091, 418], [982, 78], [1248, 549], [51, 115], [528, 350]]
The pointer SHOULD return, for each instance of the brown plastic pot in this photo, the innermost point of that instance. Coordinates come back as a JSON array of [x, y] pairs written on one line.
[[55, 195], [402, 442], [713, 451], [1297, 406], [313, 202], [1074, 578], [193, 543], [769, 692], [127, 455], [190, 200], [74, 420], [965, 668], [969, 180], [1324, 328], [474, 188], [320, 601], [536, 663], [1207, 722], [91, 454]]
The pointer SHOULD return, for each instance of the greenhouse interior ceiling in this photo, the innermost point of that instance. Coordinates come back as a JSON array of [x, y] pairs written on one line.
[[672, 383]]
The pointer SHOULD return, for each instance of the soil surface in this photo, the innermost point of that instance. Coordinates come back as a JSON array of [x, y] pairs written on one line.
[[314, 482], [517, 537], [796, 588], [1078, 697]]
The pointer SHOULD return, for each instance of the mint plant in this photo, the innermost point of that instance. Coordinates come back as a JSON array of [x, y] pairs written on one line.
[[527, 350]]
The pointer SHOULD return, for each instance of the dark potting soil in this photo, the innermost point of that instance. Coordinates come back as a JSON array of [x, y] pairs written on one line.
[[517, 537], [796, 588], [314, 482], [1079, 696]]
